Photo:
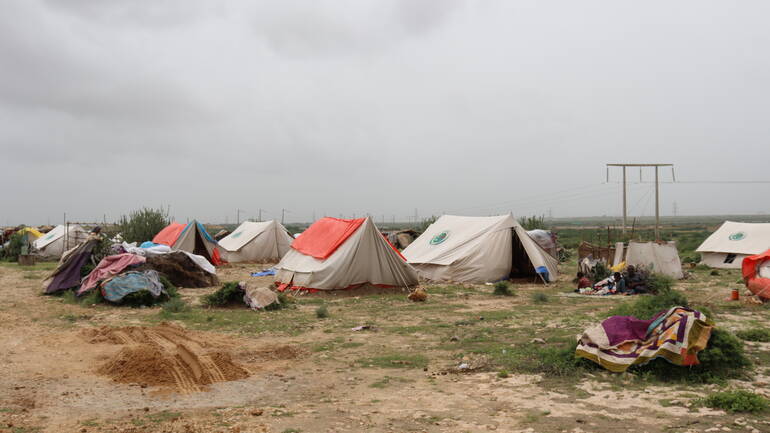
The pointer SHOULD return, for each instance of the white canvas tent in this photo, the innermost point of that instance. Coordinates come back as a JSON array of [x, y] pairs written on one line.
[[658, 258], [54, 243], [262, 242], [478, 250], [732, 241], [337, 254]]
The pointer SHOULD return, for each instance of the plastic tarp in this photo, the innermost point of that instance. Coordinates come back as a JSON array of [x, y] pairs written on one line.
[[118, 287], [365, 257], [169, 234], [34, 234], [323, 238], [478, 250], [755, 270], [658, 258], [107, 267], [56, 242]]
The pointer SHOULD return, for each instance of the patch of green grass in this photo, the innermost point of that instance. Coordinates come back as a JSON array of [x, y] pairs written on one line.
[[387, 380], [285, 322], [501, 288], [322, 312], [502, 374], [646, 306], [175, 305], [164, 416], [90, 423], [292, 430], [394, 360], [737, 401], [754, 334], [540, 298]]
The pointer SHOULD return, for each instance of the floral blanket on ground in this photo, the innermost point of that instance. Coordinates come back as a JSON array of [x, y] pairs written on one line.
[[619, 342]]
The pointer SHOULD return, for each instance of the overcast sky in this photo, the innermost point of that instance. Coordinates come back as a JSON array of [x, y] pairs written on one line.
[[350, 107]]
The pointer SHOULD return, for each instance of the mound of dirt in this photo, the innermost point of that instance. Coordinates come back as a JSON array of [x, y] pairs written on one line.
[[272, 353], [167, 356], [180, 270]]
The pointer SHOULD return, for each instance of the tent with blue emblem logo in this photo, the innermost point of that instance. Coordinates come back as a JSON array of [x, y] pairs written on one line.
[[468, 249], [259, 242], [732, 242]]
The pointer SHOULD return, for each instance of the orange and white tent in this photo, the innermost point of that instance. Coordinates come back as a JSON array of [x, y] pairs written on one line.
[[191, 237], [335, 254]]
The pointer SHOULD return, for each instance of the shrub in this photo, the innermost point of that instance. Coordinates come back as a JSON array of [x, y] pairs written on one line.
[[723, 358], [12, 251], [175, 305], [714, 273], [755, 334], [737, 401], [600, 271], [533, 222], [540, 298], [502, 374], [229, 293], [645, 307], [322, 312], [283, 302], [657, 283], [501, 289], [142, 225]]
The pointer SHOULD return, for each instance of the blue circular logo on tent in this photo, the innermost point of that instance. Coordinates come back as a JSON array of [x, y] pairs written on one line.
[[235, 235], [737, 236], [439, 238]]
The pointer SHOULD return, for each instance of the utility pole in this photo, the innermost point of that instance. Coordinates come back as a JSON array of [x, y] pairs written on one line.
[[657, 191], [237, 216], [260, 215], [283, 215]]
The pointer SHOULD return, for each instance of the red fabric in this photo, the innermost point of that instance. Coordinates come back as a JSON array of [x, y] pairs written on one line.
[[323, 238], [109, 266], [169, 234], [216, 260], [757, 286]]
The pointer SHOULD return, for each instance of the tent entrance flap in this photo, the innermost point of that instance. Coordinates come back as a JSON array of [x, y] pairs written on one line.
[[200, 247], [521, 265]]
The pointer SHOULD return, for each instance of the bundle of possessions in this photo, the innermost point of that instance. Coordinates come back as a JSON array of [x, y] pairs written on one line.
[[632, 281], [676, 335], [129, 269]]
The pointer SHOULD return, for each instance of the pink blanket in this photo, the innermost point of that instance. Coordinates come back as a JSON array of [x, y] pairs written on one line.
[[109, 266]]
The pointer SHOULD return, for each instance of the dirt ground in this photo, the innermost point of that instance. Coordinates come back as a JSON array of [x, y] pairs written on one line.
[[66, 367]]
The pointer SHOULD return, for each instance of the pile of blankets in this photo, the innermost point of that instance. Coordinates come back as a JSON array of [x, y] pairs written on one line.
[[619, 342]]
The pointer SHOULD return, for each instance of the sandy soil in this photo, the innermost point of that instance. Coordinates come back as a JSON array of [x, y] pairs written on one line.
[[55, 361]]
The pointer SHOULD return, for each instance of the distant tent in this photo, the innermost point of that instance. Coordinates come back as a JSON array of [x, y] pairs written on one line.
[[54, 243], [256, 242], [732, 242], [477, 250], [191, 237], [337, 254], [657, 258]]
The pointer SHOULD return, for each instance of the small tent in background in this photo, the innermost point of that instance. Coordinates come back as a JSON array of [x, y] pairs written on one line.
[[54, 243], [266, 241], [657, 258], [191, 237], [477, 250], [732, 242], [337, 254]]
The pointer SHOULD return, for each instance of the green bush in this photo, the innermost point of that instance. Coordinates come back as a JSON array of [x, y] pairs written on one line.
[[737, 401], [142, 225], [175, 305], [657, 283], [540, 298], [533, 222], [229, 293], [558, 360], [714, 273], [501, 289], [12, 251], [600, 271], [322, 312], [755, 334], [723, 359], [283, 302], [645, 307]]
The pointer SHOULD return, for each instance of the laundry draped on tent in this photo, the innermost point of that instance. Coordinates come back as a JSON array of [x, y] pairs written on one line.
[[478, 250], [337, 254]]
